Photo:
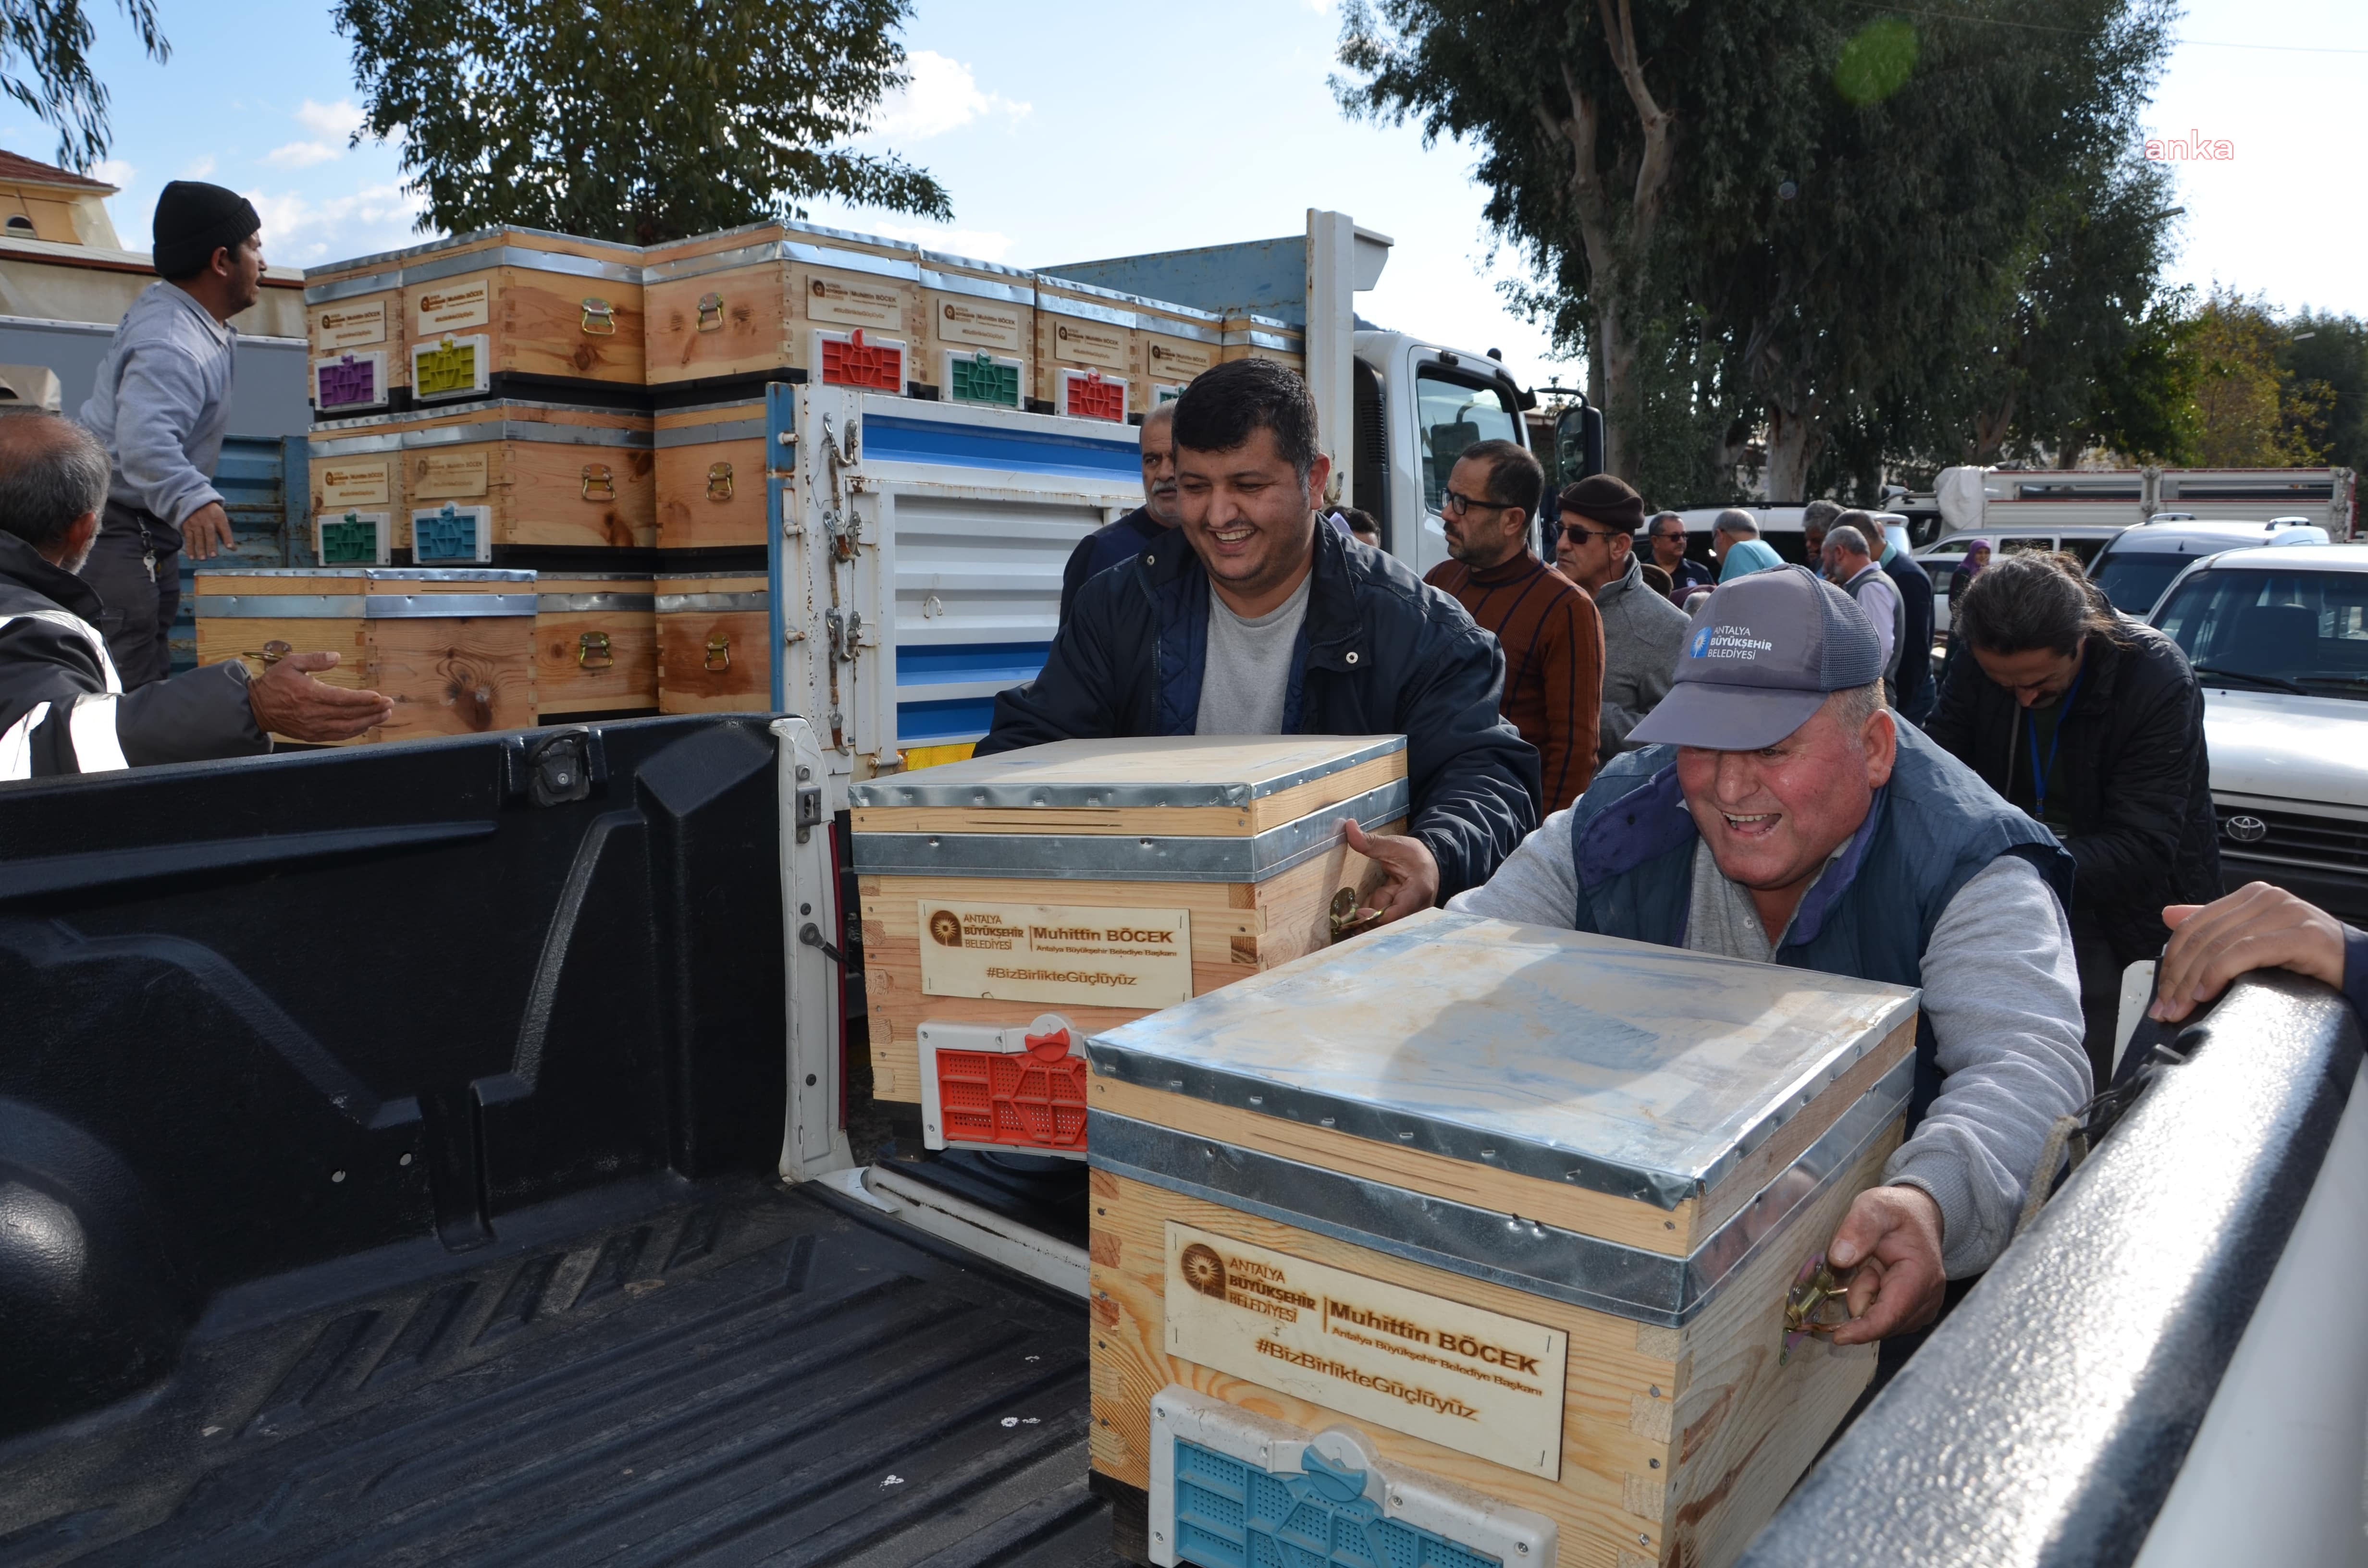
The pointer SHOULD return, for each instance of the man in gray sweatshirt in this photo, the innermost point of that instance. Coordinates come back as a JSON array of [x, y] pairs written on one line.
[[1779, 814], [161, 406]]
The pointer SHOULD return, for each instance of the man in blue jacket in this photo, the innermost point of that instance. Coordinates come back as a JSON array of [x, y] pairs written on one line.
[[1272, 623], [1133, 534]]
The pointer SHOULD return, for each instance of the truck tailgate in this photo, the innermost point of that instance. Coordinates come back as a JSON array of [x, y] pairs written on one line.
[[732, 1373]]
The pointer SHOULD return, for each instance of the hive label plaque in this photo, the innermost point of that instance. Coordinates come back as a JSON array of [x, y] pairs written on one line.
[[349, 326], [1089, 343], [962, 320], [854, 302], [1168, 359], [461, 301], [1453, 1374], [440, 474], [354, 484], [1042, 953]]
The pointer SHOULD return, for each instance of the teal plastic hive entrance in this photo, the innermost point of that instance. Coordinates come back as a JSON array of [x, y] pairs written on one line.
[[1230, 1513]]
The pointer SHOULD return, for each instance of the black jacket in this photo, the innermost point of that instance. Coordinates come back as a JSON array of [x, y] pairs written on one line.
[[2139, 784], [1915, 586], [1379, 653], [61, 708], [1105, 548]]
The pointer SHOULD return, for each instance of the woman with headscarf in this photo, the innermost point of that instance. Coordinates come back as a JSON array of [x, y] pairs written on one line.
[[1977, 555]]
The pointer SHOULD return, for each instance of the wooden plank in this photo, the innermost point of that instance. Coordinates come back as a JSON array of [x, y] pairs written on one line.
[[563, 683], [1626, 1220], [686, 684], [543, 327], [753, 334], [463, 677], [1273, 810], [553, 496], [1614, 1423], [691, 515]]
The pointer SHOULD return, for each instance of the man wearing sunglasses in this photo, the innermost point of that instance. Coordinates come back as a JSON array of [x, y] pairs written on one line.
[[1668, 535], [1642, 632], [1552, 637]]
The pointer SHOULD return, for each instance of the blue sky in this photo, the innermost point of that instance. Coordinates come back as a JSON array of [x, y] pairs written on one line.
[[1066, 131]]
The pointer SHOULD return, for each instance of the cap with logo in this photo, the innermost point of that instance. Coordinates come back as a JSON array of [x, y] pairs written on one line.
[[1761, 657]]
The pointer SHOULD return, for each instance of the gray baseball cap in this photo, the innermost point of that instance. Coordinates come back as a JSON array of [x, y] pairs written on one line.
[[1761, 655]]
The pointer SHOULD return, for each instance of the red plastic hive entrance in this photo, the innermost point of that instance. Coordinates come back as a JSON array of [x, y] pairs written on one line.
[[855, 363], [1031, 1099], [1091, 397]]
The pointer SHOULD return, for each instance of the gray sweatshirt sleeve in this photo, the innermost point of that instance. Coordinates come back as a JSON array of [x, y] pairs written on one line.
[[2003, 997], [1537, 885], [158, 401]]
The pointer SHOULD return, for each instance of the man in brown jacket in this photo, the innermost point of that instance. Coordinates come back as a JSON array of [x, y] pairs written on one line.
[[1548, 627]]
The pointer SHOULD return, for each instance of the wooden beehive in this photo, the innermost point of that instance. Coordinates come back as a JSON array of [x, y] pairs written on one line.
[[1173, 343], [481, 482], [1262, 337], [1088, 347], [353, 317], [454, 648], [596, 645], [981, 332], [488, 310], [1227, 847], [835, 307], [715, 643], [1523, 1208], [710, 476]]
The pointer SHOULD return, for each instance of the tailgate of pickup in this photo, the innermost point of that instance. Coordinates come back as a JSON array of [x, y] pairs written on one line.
[[668, 1372]]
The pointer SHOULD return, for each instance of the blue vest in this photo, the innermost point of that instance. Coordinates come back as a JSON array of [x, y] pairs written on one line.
[[1870, 916]]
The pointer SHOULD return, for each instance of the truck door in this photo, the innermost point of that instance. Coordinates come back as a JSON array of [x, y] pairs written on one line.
[[1454, 408]]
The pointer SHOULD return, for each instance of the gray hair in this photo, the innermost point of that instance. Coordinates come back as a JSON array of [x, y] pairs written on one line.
[[52, 471], [1159, 411], [1854, 705], [1818, 516], [1736, 523], [1846, 538]]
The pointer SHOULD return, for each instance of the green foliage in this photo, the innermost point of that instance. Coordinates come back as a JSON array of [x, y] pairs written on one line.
[[1876, 61], [45, 65], [638, 120], [2251, 411], [2331, 353]]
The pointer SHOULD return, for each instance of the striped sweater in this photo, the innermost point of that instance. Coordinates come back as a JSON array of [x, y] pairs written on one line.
[[1554, 661]]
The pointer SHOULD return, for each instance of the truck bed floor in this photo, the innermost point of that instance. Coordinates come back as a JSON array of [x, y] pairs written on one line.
[[732, 1373]]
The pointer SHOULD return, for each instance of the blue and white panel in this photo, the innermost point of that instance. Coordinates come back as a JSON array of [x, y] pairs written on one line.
[[1234, 1489]]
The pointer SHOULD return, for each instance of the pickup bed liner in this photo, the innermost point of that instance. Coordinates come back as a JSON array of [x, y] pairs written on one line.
[[743, 1373]]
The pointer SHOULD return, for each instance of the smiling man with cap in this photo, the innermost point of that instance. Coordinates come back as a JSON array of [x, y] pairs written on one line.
[[1779, 814], [161, 406]]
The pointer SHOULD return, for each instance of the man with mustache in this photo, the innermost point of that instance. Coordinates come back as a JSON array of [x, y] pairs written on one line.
[[1780, 814], [1273, 622], [1125, 539]]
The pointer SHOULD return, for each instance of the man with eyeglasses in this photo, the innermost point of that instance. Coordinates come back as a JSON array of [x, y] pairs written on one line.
[[1642, 631], [1552, 636], [1668, 534]]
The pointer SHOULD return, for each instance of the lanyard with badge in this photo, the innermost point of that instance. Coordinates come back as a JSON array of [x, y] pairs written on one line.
[[2039, 771]]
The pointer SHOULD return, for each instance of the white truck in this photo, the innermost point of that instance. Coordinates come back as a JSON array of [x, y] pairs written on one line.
[[1979, 500]]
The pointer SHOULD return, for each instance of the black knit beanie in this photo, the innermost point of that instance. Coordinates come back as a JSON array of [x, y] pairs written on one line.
[[194, 220], [1607, 499]]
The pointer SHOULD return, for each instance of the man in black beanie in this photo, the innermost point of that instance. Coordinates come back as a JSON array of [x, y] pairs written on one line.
[[161, 406]]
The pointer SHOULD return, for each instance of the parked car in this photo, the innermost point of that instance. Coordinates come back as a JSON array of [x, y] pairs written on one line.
[[2279, 637], [2137, 567], [1942, 558]]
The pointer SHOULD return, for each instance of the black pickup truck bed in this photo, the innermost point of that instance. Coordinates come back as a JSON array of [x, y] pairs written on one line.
[[448, 1233]]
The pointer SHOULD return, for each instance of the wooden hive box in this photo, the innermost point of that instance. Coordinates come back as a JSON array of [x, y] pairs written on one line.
[[1521, 1208], [1088, 348], [496, 311], [1173, 343], [357, 482], [1064, 888], [596, 645], [714, 642], [710, 476], [1262, 337], [454, 648], [353, 319], [835, 307], [485, 481], [981, 332]]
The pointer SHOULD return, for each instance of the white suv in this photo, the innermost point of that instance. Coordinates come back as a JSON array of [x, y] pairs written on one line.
[[2279, 640]]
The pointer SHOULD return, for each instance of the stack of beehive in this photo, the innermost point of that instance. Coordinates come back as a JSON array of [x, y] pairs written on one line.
[[595, 413]]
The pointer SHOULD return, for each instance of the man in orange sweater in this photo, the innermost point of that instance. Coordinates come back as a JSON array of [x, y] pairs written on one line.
[[1548, 627]]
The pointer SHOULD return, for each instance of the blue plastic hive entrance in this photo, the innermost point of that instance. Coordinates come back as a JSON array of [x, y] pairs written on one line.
[[1230, 1513], [447, 535]]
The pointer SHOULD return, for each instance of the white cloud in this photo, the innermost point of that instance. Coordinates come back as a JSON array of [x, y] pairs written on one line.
[[333, 125], [941, 97], [979, 245], [114, 171], [200, 168], [297, 229]]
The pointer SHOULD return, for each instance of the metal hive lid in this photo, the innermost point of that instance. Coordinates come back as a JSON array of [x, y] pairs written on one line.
[[1623, 1067], [1168, 770]]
